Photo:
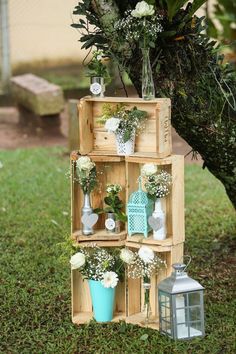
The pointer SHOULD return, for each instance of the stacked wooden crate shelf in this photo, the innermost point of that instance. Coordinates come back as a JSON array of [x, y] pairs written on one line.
[[153, 145]]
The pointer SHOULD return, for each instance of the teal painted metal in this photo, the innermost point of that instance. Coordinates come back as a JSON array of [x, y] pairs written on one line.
[[139, 208], [102, 301]]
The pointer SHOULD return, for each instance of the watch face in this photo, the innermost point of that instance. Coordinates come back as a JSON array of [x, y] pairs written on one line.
[[110, 224], [95, 88]]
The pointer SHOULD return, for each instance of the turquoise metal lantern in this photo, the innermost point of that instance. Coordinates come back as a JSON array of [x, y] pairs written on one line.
[[139, 208]]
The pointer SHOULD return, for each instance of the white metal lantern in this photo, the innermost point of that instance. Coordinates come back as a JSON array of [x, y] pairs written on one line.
[[181, 310]]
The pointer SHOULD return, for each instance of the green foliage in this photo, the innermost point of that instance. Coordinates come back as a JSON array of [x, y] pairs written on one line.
[[225, 13], [115, 205], [100, 260], [109, 111], [96, 67], [35, 279]]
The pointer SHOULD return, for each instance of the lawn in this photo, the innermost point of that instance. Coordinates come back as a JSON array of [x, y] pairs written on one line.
[[35, 275]]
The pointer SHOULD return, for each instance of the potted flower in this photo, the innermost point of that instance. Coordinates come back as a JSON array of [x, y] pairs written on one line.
[[143, 264], [103, 269], [114, 213], [142, 26], [87, 178], [157, 184], [98, 73], [125, 124]]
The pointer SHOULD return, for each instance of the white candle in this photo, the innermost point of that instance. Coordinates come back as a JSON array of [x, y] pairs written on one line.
[[180, 313]]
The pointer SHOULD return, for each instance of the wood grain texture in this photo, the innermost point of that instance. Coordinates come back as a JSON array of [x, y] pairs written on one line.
[[155, 138]]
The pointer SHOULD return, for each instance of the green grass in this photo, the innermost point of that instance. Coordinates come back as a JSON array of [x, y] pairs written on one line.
[[35, 280]]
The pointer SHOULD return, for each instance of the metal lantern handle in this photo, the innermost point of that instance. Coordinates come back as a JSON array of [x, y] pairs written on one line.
[[189, 261]]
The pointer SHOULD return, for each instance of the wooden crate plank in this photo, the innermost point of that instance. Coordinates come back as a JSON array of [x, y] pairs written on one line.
[[134, 296], [85, 127], [177, 199]]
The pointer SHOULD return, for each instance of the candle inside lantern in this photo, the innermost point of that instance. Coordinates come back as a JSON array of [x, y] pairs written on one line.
[[180, 305]]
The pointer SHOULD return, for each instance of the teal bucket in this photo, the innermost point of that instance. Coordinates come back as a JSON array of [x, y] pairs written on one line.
[[102, 300]]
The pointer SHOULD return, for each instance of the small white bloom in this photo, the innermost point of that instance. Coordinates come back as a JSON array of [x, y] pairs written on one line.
[[142, 9], [109, 280], [99, 57], [126, 256], [84, 163], [77, 260], [146, 254], [149, 169], [112, 124]]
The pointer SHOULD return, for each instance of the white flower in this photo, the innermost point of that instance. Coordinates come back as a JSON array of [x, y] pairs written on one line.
[[112, 124], [99, 57], [126, 256], [84, 163], [109, 280], [146, 254], [142, 9], [77, 260], [149, 169]]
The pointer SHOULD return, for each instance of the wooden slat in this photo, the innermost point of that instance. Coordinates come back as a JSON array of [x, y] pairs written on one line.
[[177, 199], [134, 296], [149, 240], [85, 127], [99, 235], [155, 248]]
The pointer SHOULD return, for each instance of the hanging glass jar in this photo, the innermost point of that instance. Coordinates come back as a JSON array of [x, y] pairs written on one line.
[[148, 89]]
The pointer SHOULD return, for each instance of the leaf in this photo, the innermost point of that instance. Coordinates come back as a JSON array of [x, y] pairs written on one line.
[[144, 337], [195, 6], [77, 25]]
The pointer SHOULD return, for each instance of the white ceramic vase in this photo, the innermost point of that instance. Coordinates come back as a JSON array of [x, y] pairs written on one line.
[[159, 234]]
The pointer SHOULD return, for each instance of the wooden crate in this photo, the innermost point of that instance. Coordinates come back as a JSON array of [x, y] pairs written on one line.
[[173, 204], [110, 169], [129, 296], [82, 311], [135, 292], [155, 139], [125, 171]]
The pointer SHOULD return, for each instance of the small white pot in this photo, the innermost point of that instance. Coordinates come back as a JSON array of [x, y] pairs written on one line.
[[125, 149], [160, 234]]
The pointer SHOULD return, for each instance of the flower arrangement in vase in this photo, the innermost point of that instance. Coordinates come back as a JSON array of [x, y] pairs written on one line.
[[143, 264], [157, 184], [114, 208], [87, 178], [142, 26], [125, 124], [98, 73], [103, 269]]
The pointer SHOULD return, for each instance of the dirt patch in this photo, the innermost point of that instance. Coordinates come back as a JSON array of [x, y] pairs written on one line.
[[15, 133]]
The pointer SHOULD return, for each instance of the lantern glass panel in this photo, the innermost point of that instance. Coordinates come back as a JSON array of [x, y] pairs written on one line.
[[181, 301], [182, 331], [194, 298], [195, 313], [195, 329]]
